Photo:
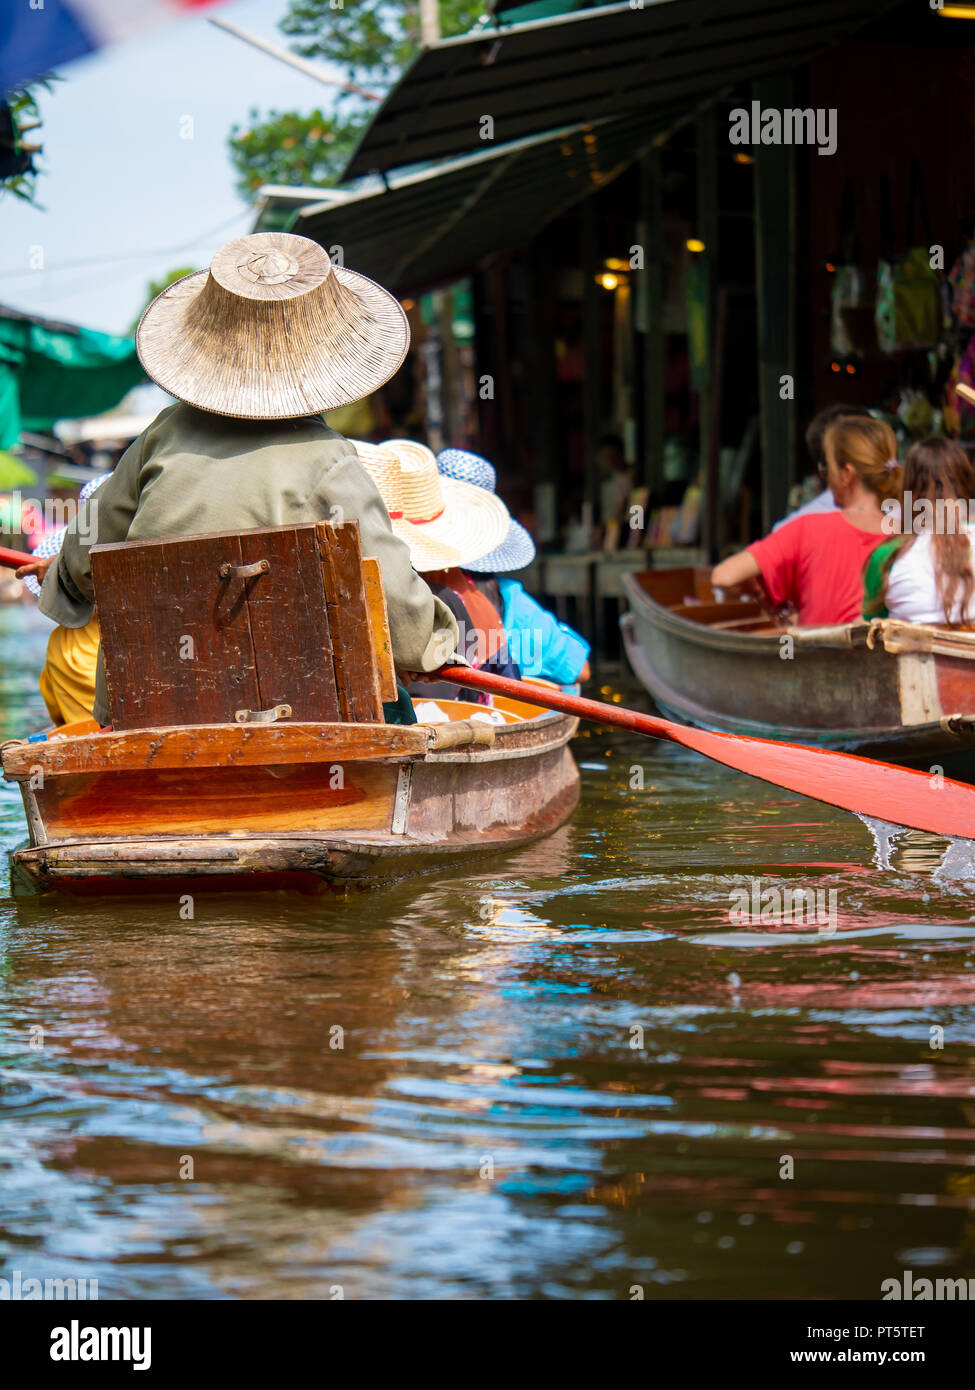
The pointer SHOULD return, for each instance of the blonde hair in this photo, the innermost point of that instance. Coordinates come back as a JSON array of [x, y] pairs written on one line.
[[870, 448]]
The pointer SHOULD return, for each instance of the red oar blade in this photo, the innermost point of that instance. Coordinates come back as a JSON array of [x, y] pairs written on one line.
[[903, 795], [919, 800]]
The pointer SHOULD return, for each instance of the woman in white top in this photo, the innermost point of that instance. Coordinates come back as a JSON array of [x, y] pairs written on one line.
[[925, 574]]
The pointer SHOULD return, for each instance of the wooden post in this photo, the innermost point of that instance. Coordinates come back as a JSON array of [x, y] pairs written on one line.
[[775, 248], [449, 365], [592, 367], [502, 341], [542, 385], [712, 460], [650, 323], [707, 231]]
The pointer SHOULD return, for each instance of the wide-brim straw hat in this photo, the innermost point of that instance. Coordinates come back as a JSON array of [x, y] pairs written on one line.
[[272, 331], [468, 518], [427, 552], [517, 549]]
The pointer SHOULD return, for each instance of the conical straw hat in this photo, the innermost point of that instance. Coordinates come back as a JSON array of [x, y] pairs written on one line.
[[469, 518], [426, 551], [273, 330]]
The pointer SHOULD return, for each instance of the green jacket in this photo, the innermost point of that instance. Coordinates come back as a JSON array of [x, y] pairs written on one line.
[[192, 472]]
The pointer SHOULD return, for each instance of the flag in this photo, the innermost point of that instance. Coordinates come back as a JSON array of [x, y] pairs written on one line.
[[39, 35]]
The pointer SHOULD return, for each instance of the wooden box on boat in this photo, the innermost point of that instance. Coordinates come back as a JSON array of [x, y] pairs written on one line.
[[275, 615], [271, 801], [898, 691]]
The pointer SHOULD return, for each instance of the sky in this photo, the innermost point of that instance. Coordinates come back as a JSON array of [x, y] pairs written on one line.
[[121, 188]]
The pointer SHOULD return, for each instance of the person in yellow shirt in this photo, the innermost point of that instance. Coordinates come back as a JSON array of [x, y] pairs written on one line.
[[68, 678]]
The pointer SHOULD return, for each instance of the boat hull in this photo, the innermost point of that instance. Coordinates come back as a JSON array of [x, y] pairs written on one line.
[[886, 690], [287, 806]]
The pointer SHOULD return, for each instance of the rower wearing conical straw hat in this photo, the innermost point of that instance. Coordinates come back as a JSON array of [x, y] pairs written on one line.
[[254, 349]]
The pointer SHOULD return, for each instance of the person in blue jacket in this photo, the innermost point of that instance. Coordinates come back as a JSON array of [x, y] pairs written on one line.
[[541, 645]]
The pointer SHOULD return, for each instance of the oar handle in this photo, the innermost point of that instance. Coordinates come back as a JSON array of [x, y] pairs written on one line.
[[596, 710], [13, 559]]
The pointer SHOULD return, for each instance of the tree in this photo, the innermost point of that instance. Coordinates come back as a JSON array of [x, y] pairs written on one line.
[[19, 115], [372, 41], [155, 287], [290, 149]]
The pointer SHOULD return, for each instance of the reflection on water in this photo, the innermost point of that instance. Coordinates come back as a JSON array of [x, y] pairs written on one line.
[[563, 1074]]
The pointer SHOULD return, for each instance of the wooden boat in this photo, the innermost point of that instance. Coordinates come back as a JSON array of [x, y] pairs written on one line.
[[897, 691], [274, 796], [288, 804]]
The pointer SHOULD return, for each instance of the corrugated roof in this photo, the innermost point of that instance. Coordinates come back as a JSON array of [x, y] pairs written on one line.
[[589, 66], [430, 227]]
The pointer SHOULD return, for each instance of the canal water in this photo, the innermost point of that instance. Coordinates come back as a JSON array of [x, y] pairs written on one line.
[[587, 1070]]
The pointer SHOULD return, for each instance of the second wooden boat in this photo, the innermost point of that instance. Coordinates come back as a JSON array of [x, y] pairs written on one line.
[[900, 692]]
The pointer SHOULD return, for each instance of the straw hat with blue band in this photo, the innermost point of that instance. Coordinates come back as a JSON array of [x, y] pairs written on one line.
[[517, 549]]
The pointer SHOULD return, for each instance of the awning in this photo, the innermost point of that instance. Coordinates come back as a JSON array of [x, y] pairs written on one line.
[[590, 66], [430, 227], [52, 370]]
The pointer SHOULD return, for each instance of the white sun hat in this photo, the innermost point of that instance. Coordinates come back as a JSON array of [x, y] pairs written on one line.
[[470, 519], [272, 331], [427, 552]]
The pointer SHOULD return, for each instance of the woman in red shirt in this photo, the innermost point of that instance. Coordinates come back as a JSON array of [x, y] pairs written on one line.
[[815, 564]]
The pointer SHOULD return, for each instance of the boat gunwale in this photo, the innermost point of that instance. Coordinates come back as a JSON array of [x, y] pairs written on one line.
[[409, 743]]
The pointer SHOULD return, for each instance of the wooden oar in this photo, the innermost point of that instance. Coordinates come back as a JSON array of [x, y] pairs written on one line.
[[902, 795], [13, 559]]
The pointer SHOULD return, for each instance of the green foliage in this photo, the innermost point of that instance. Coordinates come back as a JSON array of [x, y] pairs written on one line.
[[372, 41], [155, 287], [287, 148], [25, 111]]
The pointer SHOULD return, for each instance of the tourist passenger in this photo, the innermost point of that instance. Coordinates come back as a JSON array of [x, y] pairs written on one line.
[[542, 646], [616, 479], [815, 565], [925, 574], [254, 350], [824, 501], [465, 522], [68, 676]]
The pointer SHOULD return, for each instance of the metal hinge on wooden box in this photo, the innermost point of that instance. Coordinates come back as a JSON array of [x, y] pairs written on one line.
[[278, 622]]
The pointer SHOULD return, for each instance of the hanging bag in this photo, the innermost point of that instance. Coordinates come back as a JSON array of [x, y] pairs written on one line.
[[961, 278], [908, 290]]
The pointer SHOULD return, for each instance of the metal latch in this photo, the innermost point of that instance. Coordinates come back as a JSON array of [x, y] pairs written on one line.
[[229, 571], [263, 716]]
